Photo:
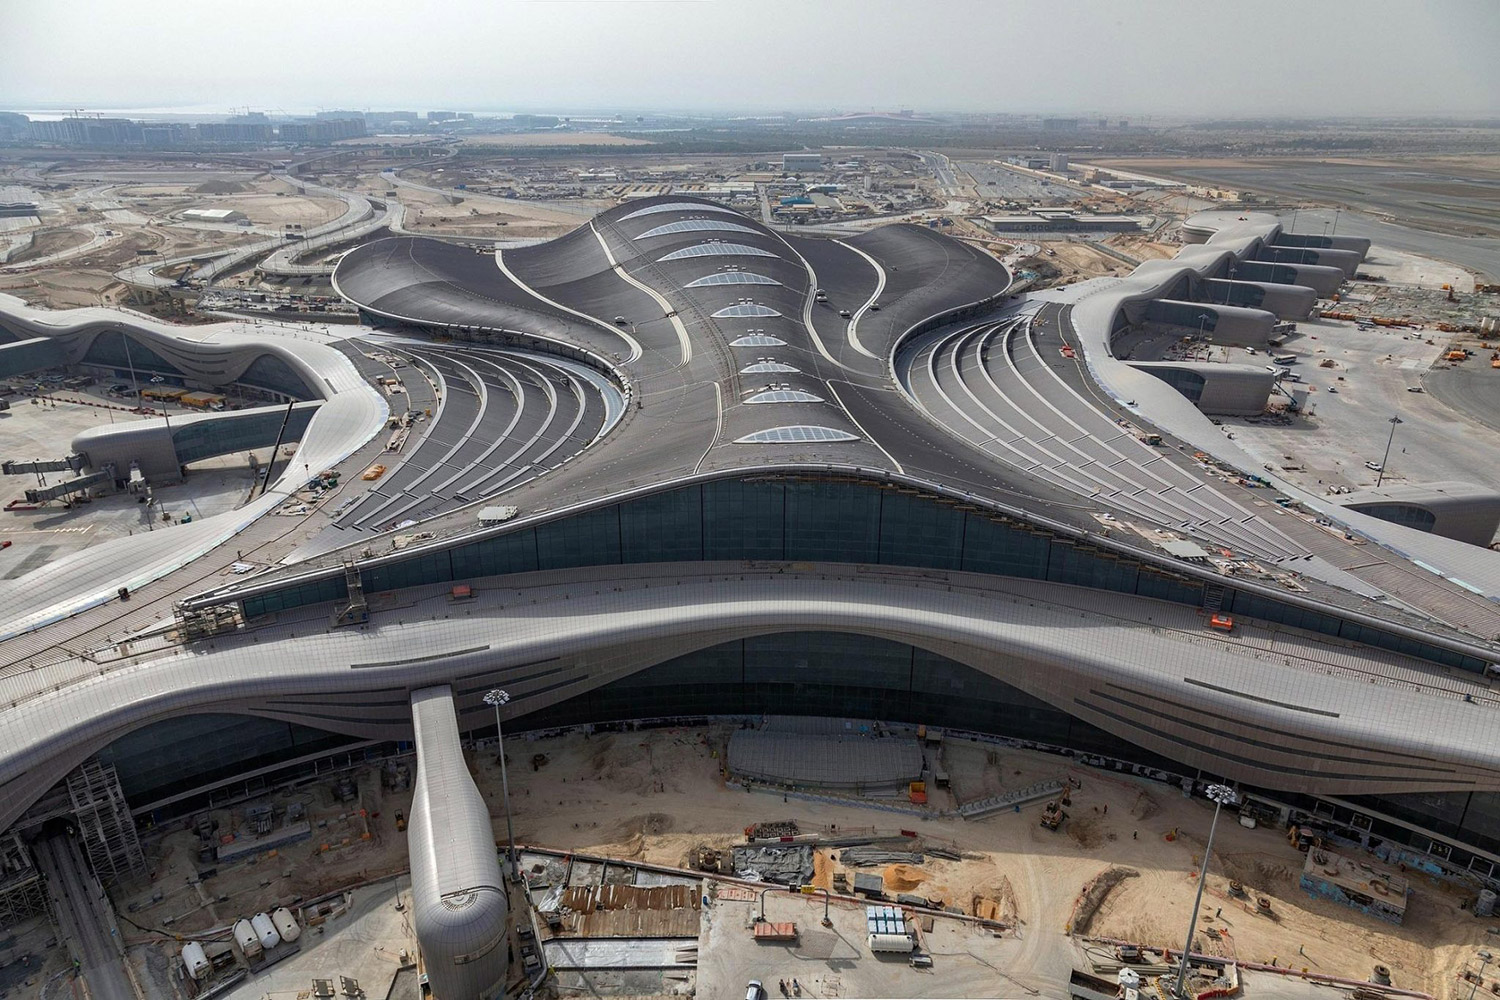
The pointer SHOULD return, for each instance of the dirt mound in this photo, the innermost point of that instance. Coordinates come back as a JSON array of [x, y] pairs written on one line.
[[218, 187], [647, 824], [903, 878], [1093, 895], [1145, 806], [1084, 830]]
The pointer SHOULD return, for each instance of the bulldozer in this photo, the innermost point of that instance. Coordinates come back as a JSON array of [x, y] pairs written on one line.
[[1053, 815]]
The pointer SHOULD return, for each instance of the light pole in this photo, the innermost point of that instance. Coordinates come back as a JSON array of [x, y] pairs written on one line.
[[1484, 959], [1222, 796], [495, 698], [1380, 476]]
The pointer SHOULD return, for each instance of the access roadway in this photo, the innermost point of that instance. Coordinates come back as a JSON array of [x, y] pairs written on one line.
[[991, 387], [282, 263], [357, 209], [503, 417]]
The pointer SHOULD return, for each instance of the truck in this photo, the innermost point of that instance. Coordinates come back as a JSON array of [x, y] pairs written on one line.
[[202, 400]]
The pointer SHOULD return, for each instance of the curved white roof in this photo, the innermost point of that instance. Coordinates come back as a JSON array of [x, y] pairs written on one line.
[[352, 413]]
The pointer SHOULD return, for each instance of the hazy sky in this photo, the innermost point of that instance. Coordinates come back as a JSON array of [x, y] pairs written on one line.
[[1133, 57]]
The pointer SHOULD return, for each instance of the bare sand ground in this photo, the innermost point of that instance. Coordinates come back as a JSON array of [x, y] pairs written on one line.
[[654, 796]]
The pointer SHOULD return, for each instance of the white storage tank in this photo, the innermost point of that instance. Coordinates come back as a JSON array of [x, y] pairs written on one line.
[[900, 944], [244, 936], [286, 924], [265, 930], [194, 959]]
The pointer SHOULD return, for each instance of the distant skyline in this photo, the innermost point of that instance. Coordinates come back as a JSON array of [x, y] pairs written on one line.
[[1174, 58]]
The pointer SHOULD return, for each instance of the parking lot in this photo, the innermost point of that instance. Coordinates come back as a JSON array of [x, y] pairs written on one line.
[[996, 183]]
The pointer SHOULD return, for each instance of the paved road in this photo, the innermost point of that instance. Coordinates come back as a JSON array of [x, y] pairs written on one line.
[[1472, 389], [505, 417], [991, 386], [83, 916]]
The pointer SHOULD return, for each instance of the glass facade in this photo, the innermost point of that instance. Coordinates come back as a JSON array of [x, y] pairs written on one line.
[[836, 520], [242, 431], [172, 756], [1236, 293], [1408, 514], [1184, 380], [34, 355], [1276, 274], [109, 350], [833, 674], [271, 373], [1186, 314]]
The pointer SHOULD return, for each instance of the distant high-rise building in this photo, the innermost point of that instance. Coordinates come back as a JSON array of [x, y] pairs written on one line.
[[322, 130], [242, 129], [1058, 162], [14, 126], [1060, 124], [88, 132]]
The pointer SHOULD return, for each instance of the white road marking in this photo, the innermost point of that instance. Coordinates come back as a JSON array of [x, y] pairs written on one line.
[[853, 329], [635, 346], [666, 307]]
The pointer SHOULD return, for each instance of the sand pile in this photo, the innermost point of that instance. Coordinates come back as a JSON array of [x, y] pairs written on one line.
[[903, 878]]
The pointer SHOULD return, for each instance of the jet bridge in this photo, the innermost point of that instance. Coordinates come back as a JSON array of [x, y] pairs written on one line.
[[459, 902]]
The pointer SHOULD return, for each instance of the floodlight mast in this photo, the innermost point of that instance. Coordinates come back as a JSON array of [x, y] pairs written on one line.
[[495, 698], [1222, 795]]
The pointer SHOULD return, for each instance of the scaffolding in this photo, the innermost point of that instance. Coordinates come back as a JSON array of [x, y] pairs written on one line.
[[23, 893], [104, 823], [357, 611], [196, 624]]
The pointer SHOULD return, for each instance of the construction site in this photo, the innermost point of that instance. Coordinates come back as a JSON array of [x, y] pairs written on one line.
[[651, 868], [258, 845]]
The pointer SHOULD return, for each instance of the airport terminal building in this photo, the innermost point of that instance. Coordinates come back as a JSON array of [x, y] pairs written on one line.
[[831, 477]]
